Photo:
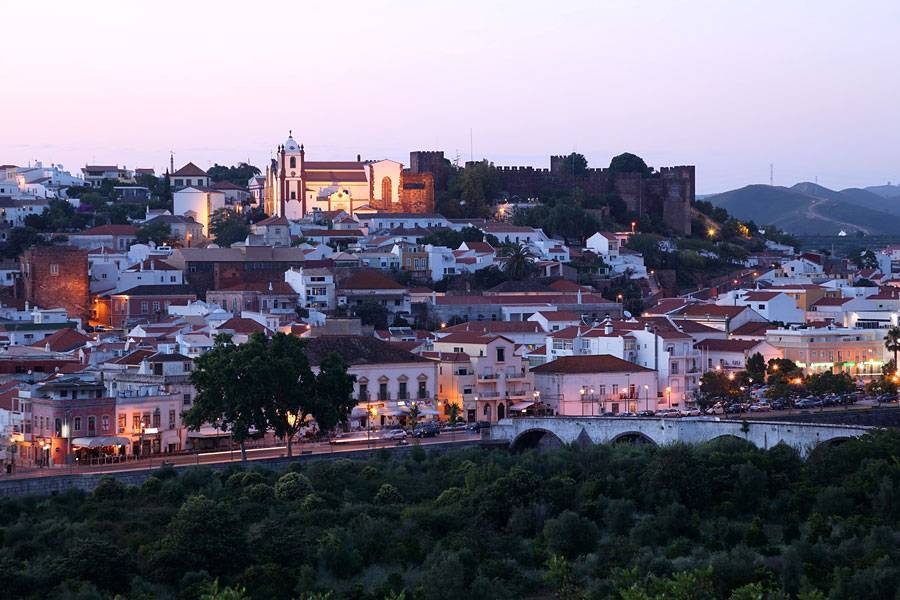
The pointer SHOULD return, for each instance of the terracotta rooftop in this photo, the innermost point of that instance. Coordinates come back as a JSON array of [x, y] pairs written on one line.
[[358, 350], [752, 328], [711, 310], [63, 340], [274, 220], [714, 345], [601, 363], [760, 296], [189, 170], [108, 229], [243, 326], [369, 280], [499, 327]]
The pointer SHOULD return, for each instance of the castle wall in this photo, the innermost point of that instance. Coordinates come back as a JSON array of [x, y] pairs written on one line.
[[416, 193]]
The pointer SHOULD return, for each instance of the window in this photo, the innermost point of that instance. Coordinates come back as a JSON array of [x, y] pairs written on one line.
[[501, 354], [77, 423], [171, 418], [293, 162], [401, 395], [674, 368], [615, 389], [92, 424], [382, 391], [386, 189], [156, 307], [57, 427], [54, 269], [293, 195], [104, 420], [122, 420], [156, 419], [423, 390], [186, 399], [136, 421]]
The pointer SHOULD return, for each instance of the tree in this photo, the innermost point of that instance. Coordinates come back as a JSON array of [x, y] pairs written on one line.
[[228, 394], [20, 239], [414, 413], [518, 260], [238, 175], [756, 367], [288, 382], [573, 165], [629, 163], [228, 227], [157, 232], [372, 313], [334, 393], [892, 341]]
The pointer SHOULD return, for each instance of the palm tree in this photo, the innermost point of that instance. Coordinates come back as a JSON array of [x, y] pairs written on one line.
[[518, 260], [892, 342]]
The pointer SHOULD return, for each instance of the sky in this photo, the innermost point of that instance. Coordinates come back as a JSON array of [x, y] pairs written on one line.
[[731, 87]]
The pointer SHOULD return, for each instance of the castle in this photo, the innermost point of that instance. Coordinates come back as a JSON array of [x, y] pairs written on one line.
[[295, 186]]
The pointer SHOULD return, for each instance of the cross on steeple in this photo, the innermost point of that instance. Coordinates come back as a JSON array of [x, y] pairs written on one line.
[[290, 133]]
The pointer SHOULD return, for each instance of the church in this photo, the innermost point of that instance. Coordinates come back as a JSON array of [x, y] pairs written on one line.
[[295, 186]]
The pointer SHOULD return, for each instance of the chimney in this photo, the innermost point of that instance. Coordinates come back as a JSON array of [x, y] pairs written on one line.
[[358, 158], [579, 295], [608, 328]]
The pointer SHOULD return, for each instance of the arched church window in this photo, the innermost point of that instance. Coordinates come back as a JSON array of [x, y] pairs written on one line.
[[293, 162], [386, 189]]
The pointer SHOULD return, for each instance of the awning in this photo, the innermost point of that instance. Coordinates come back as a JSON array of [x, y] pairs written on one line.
[[151, 431], [427, 412], [208, 432], [521, 405], [100, 441]]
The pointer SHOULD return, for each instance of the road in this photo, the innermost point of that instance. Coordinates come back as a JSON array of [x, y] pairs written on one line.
[[253, 454], [862, 405]]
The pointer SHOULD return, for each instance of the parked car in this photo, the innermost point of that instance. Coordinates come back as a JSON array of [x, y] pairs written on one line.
[[691, 412], [760, 407], [668, 413], [716, 409], [779, 404], [646, 413], [478, 425], [628, 414], [394, 434], [806, 403]]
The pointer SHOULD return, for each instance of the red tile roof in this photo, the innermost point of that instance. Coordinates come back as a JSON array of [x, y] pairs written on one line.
[[190, 170], [752, 328], [63, 340], [500, 327], [274, 220], [278, 287], [243, 326], [369, 280], [711, 310], [831, 301], [480, 247], [333, 165], [601, 363], [108, 229], [714, 345], [760, 296]]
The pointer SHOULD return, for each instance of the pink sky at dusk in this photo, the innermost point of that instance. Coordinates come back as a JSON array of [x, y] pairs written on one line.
[[728, 86]]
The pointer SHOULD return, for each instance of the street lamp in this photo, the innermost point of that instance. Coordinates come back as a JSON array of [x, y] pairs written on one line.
[[646, 397], [669, 394]]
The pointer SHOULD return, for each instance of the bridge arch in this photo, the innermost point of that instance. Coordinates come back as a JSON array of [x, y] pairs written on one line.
[[537, 438], [826, 444], [730, 439], [633, 437]]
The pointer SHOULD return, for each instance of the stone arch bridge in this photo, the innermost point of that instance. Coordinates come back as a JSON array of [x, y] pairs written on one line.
[[540, 432]]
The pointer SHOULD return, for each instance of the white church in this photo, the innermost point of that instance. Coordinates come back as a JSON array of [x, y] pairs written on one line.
[[296, 186]]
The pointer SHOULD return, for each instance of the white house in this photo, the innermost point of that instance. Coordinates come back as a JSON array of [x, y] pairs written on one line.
[[315, 285], [199, 204], [596, 384]]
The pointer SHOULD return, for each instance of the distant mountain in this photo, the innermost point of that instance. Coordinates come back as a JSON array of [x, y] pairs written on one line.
[[808, 208], [885, 191]]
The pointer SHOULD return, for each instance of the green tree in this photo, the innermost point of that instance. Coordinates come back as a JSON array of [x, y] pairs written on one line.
[[334, 393], [518, 261], [288, 383], [157, 232], [239, 174], [892, 341], [573, 165], [20, 239], [629, 163], [372, 313], [228, 390], [228, 227], [756, 368]]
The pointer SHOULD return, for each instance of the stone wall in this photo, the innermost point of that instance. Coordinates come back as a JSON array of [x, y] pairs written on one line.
[[54, 484], [416, 192], [57, 277]]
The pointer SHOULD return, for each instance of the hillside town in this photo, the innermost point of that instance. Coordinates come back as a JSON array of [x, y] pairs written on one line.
[[454, 294]]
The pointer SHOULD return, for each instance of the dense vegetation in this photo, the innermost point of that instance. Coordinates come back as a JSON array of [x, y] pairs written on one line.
[[723, 520]]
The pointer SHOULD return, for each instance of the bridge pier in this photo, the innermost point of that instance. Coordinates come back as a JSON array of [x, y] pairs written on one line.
[[542, 432]]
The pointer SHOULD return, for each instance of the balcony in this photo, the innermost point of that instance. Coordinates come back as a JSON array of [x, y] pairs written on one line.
[[488, 395], [402, 395], [489, 377], [517, 377]]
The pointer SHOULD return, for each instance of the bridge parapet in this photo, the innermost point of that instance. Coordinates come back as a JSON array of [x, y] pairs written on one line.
[[526, 432]]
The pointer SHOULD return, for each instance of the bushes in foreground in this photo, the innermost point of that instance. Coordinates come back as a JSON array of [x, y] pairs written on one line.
[[633, 522]]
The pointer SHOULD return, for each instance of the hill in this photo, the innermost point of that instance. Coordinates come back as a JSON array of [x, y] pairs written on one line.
[[886, 191], [811, 209]]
